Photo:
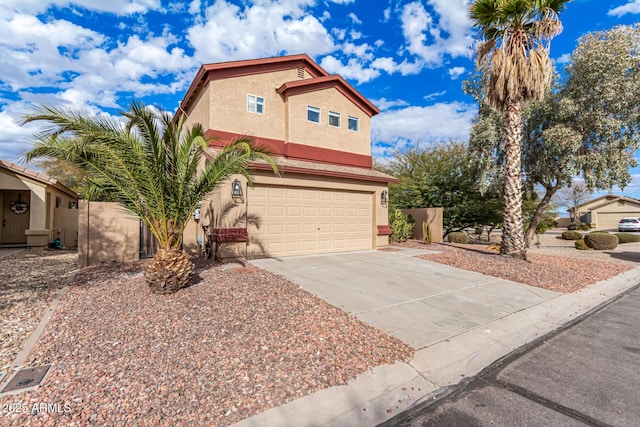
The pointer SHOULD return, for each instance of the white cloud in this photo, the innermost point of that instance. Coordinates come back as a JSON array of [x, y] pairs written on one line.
[[456, 72], [439, 122], [434, 95], [354, 18], [632, 7], [266, 28], [564, 58], [354, 69], [117, 7], [431, 39], [342, 1], [386, 104]]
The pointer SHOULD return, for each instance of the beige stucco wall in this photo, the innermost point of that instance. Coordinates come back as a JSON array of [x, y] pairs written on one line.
[[106, 233], [302, 131], [431, 216], [43, 215], [221, 211], [228, 104]]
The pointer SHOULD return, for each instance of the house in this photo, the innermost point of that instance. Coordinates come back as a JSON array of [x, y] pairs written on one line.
[[36, 209], [605, 212], [317, 126]]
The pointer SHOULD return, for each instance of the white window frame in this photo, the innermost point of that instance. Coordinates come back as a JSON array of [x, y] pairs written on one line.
[[312, 109], [356, 121], [333, 114], [255, 103]]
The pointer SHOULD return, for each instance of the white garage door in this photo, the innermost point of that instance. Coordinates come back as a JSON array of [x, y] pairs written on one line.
[[298, 221]]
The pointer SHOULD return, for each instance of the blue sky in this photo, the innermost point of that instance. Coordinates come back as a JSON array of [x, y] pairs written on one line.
[[408, 57]]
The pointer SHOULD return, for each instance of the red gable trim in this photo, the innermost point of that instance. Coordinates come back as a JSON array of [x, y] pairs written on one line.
[[295, 151], [326, 82]]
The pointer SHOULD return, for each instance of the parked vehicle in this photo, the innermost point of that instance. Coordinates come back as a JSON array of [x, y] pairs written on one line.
[[629, 224]]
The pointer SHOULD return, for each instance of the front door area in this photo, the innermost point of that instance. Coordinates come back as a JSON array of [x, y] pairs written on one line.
[[16, 211]]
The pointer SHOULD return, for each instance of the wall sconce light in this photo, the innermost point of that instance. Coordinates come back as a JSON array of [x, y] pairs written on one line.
[[236, 190], [384, 198]]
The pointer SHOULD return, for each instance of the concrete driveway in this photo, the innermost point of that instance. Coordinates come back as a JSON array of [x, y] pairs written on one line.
[[417, 301]]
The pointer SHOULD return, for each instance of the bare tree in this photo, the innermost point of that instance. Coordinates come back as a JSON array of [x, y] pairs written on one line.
[[572, 197]]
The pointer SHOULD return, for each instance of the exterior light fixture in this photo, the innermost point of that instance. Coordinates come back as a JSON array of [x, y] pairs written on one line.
[[236, 190], [384, 198]]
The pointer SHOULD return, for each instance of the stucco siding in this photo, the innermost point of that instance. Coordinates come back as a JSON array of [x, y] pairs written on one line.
[[302, 131]]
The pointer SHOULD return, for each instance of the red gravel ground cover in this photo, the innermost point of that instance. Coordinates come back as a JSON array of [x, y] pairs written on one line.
[[556, 273], [239, 342]]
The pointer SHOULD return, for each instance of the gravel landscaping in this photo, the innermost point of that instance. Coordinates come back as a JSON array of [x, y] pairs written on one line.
[[559, 268], [29, 281], [239, 342]]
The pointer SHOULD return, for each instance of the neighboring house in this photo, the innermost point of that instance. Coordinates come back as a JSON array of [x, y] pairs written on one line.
[[328, 199], [605, 212], [35, 208]]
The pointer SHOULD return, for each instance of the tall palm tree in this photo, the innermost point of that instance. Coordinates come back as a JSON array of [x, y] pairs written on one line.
[[514, 47], [152, 166]]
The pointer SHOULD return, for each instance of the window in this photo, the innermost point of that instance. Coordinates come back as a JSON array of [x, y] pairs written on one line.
[[353, 123], [334, 119], [313, 114], [58, 202], [255, 104]]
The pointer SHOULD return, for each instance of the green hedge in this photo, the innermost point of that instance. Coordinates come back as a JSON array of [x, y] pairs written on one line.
[[581, 245], [458, 237], [571, 235], [401, 224], [627, 238], [601, 241]]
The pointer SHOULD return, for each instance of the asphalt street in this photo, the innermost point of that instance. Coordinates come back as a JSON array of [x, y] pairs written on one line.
[[586, 373]]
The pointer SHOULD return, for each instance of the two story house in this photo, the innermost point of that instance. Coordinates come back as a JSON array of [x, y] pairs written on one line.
[[317, 126]]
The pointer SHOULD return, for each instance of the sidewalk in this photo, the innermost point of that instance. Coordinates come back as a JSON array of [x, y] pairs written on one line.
[[378, 395]]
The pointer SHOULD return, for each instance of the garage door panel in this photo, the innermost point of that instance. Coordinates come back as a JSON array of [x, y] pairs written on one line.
[[308, 220]]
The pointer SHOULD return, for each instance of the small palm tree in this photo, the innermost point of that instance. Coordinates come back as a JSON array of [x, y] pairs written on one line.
[[151, 166], [515, 50]]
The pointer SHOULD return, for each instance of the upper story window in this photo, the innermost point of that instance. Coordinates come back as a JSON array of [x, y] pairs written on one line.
[[353, 123], [313, 114], [334, 119], [255, 104]]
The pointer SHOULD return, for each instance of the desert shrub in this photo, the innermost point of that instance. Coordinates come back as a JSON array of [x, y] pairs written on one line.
[[585, 227], [571, 235], [401, 224], [627, 238], [458, 237], [599, 232], [601, 241], [573, 226], [580, 245]]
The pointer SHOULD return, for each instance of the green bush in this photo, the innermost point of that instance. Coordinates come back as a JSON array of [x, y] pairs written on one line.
[[599, 232], [585, 227], [401, 224], [458, 237], [580, 245], [627, 238], [571, 235], [573, 226], [601, 241]]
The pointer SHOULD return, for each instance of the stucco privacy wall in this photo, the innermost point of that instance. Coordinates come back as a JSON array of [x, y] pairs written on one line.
[[106, 233], [431, 216]]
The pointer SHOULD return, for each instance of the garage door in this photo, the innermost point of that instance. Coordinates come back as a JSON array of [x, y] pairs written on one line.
[[610, 220], [299, 221]]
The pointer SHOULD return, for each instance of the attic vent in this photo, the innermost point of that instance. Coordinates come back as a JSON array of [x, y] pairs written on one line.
[[301, 72]]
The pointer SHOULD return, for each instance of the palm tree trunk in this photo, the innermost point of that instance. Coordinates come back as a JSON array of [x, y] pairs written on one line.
[[512, 229], [169, 271]]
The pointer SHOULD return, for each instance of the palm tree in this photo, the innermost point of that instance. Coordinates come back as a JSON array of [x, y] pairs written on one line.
[[152, 166], [515, 50]]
